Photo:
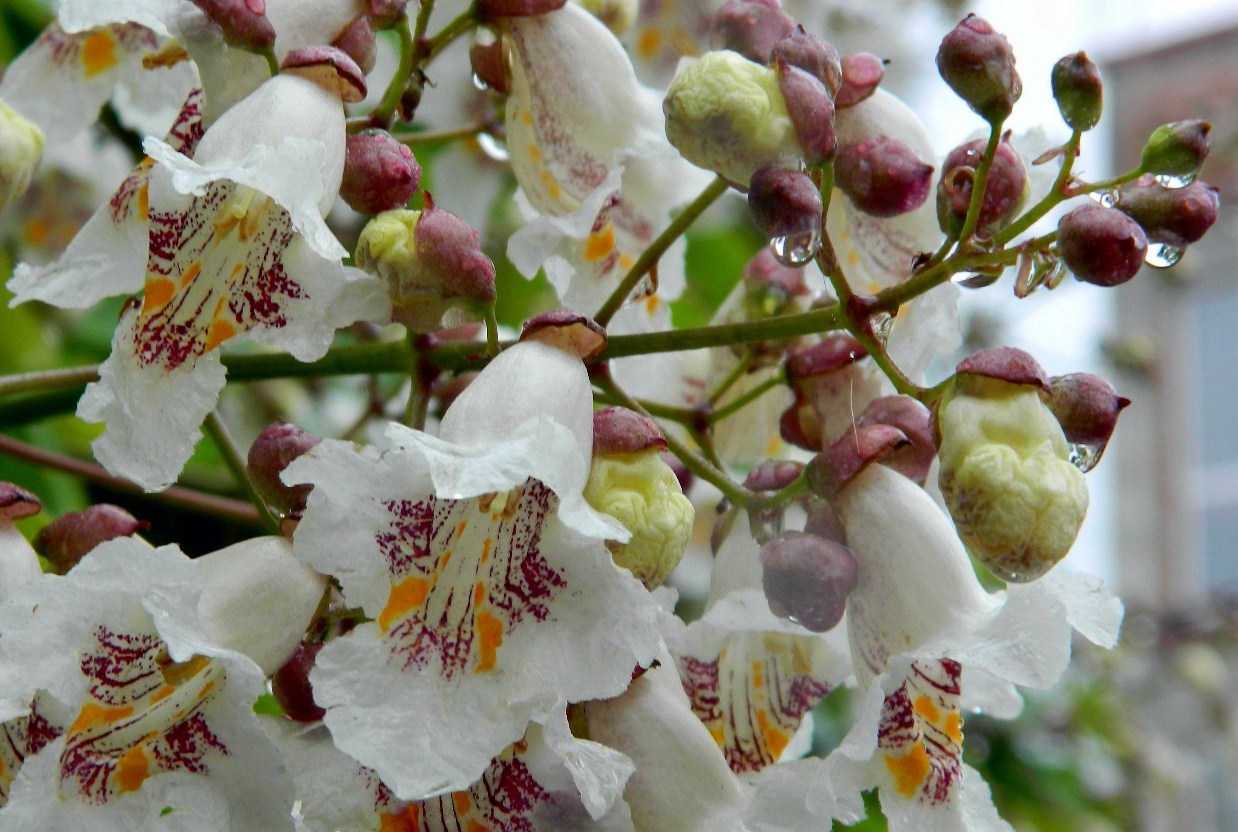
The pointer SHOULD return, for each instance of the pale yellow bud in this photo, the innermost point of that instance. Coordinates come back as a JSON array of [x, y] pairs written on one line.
[[641, 492], [21, 150], [726, 114]]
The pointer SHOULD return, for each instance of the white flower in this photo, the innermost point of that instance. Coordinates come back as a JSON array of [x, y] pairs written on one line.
[[492, 592], [124, 700]]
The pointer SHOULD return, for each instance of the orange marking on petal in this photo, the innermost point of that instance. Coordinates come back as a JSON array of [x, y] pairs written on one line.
[[37, 231], [684, 43], [219, 332], [405, 821], [444, 560], [652, 303], [954, 726], [757, 678], [406, 595], [190, 273], [909, 770], [526, 116], [485, 550], [717, 733], [600, 243], [479, 593], [132, 769], [464, 524], [460, 801], [775, 738], [159, 291], [489, 639], [98, 53], [92, 715], [163, 693], [648, 43], [475, 826], [926, 709], [535, 153]]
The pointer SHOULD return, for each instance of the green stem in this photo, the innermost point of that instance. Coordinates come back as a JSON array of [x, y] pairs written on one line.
[[457, 27], [236, 463], [384, 113], [658, 247], [749, 397], [492, 331], [733, 375], [1056, 194], [431, 137], [980, 184]]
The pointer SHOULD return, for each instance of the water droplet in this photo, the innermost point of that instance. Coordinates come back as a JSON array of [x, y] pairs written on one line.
[[1057, 275], [479, 83], [492, 147], [1085, 457], [881, 324], [797, 249], [1162, 256], [1175, 182], [975, 280], [1107, 198]]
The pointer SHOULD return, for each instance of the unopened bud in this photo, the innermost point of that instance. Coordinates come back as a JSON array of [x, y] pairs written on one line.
[[1176, 149], [1009, 364], [617, 430], [1087, 408], [1005, 188], [21, 150], [277, 446], [567, 330], [811, 110], [1101, 245], [330, 68], [862, 73], [243, 22], [517, 8], [882, 176], [807, 579], [380, 173], [784, 203], [773, 475], [16, 503], [978, 64], [487, 61], [1173, 216], [766, 274], [914, 459], [291, 685], [68, 538], [432, 263], [847, 456], [358, 42], [1078, 90], [813, 55], [385, 13], [751, 27], [726, 114]]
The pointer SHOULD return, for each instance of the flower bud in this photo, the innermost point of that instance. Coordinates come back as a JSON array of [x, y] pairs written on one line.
[[828, 384], [385, 13], [380, 173], [330, 68], [68, 538], [291, 685], [641, 491], [727, 114], [1007, 479], [243, 22], [813, 55], [882, 176], [773, 475], [978, 64], [914, 459], [807, 579], [564, 329], [1078, 90], [784, 203], [516, 8], [862, 73], [811, 110], [1101, 245], [357, 41], [487, 61], [1005, 189], [1176, 149], [432, 263], [1173, 216], [277, 446], [18, 561], [21, 150], [766, 275], [1087, 408], [751, 27], [617, 430]]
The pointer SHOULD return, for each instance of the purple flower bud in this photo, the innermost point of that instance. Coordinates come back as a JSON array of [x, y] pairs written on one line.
[[751, 27], [978, 64], [487, 62], [783, 203], [358, 42], [244, 22], [813, 55], [862, 73], [1173, 216], [1004, 193], [1078, 90], [811, 110], [773, 475], [385, 13], [765, 273], [291, 685], [1101, 245], [807, 579], [380, 173], [849, 454], [1009, 364], [617, 430], [914, 420], [810, 371], [882, 176], [277, 446], [17, 503], [1087, 408], [68, 538], [329, 67], [1176, 149], [516, 8], [568, 330], [822, 521]]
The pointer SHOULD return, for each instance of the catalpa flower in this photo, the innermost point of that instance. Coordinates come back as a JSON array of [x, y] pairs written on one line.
[[127, 689], [485, 573], [928, 642], [237, 248]]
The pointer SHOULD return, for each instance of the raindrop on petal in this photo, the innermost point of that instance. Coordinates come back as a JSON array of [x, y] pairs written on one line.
[[1106, 198], [797, 249], [1162, 256], [881, 324], [493, 147], [479, 83], [1175, 182], [1085, 457]]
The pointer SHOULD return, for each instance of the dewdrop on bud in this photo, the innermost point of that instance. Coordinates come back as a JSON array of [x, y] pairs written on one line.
[[1005, 189], [68, 538], [1177, 149], [784, 203], [1171, 216], [807, 579], [380, 173], [243, 22], [21, 150], [813, 55], [277, 446], [750, 27], [1078, 90], [1101, 245], [882, 176], [629, 481], [978, 64], [432, 263], [726, 114], [1087, 408]]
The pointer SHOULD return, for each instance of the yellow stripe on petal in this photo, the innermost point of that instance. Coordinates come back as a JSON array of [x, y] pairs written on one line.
[[93, 715], [132, 769], [159, 291], [489, 639], [220, 331], [909, 770], [926, 709], [600, 243], [406, 595]]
